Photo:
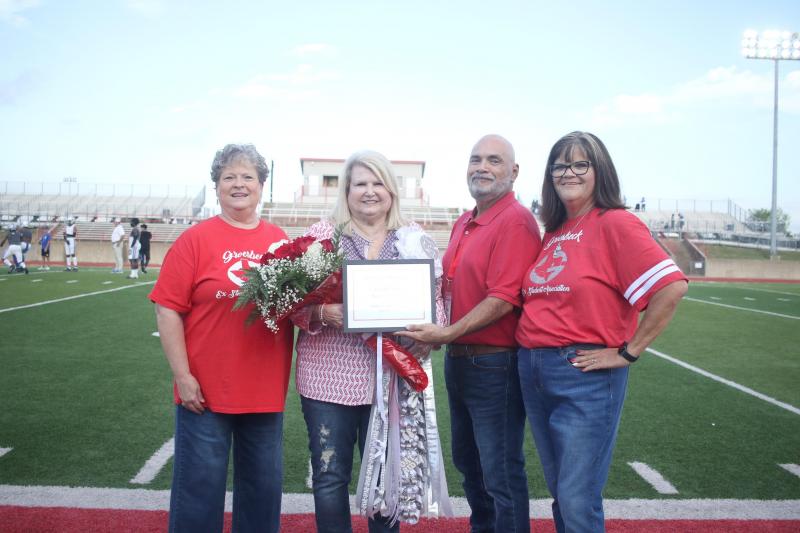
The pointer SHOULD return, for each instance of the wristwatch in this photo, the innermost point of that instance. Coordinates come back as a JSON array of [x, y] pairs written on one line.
[[623, 351]]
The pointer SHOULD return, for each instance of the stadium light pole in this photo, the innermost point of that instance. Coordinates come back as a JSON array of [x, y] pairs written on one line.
[[775, 46]]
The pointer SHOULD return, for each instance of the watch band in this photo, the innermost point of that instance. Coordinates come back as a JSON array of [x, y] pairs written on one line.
[[628, 356]]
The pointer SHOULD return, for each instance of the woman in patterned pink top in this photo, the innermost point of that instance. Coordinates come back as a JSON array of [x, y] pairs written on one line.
[[335, 371]]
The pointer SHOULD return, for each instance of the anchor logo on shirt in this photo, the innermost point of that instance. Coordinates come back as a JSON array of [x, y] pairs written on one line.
[[550, 266]]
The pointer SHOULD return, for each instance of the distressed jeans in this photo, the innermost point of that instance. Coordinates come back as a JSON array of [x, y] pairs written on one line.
[[333, 432], [574, 418], [200, 471], [487, 422]]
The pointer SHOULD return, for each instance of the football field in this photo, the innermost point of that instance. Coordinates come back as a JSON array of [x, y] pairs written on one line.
[[712, 413]]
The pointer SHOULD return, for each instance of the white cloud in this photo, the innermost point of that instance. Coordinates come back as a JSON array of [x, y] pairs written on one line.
[[10, 11], [718, 85], [148, 8], [313, 48], [299, 84], [13, 90]]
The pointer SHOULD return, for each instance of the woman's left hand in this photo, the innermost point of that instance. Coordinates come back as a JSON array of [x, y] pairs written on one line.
[[590, 360]]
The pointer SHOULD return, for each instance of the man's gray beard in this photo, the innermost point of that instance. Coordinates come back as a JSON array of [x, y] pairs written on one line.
[[479, 194]]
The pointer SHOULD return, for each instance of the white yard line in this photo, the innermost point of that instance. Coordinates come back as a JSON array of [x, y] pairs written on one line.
[[4, 451], [741, 308], [749, 299], [37, 304], [107, 283], [727, 382], [654, 478], [72, 281], [767, 290], [784, 299], [791, 468], [633, 509], [155, 464], [715, 297], [36, 280], [718, 284]]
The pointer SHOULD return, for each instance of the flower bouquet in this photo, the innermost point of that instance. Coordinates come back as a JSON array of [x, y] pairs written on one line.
[[305, 271], [292, 275]]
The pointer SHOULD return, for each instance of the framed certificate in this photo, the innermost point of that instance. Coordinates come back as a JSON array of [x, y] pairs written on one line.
[[388, 295]]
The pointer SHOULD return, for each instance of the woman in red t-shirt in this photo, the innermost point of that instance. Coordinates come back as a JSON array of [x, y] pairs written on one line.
[[230, 378], [599, 267]]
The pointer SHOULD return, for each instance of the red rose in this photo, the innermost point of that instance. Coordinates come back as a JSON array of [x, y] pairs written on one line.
[[301, 244], [285, 251], [327, 245], [267, 257]]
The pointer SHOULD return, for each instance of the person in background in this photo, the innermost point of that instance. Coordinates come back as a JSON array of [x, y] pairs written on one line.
[[44, 241], [490, 248], [133, 248], [144, 253], [230, 377], [70, 237], [16, 263], [117, 239], [598, 269], [27, 240]]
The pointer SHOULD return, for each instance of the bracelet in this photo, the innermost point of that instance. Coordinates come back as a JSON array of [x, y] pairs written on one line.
[[628, 356], [321, 319]]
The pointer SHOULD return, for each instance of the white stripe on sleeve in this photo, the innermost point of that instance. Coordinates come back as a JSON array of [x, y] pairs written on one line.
[[644, 277], [652, 281]]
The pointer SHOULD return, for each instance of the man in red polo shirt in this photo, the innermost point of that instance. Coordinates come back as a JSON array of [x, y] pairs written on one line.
[[490, 250]]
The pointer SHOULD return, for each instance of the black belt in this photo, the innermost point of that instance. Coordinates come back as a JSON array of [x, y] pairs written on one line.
[[468, 350]]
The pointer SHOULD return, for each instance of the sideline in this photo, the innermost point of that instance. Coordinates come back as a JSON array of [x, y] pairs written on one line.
[[741, 308], [75, 297], [747, 390], [632, 509]]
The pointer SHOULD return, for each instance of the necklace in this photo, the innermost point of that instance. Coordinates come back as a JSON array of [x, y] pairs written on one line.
[[573, 228]]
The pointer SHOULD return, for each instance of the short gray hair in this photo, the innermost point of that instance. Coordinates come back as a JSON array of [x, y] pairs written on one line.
[[237, 152]]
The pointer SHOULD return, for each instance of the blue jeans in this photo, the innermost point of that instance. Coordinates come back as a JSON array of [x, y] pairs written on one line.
[[574, 418], [200, 471], [333, 431], [487, 423]]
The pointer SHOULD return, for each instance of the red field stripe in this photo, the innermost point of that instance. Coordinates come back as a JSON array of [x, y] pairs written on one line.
[[15, 519]]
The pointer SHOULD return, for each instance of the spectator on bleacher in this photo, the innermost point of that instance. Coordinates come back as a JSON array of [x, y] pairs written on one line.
[[579, 331], [117, 236], [230, 378], [133, 248], [70, 236], [144, 253], [335, 372], [490, 249], [44, 241]]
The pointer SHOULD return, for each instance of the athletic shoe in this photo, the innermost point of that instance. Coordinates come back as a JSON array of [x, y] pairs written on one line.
[[26, 270]]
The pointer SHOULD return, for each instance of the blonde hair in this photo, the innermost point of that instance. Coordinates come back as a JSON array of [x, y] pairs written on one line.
[[382, 169]]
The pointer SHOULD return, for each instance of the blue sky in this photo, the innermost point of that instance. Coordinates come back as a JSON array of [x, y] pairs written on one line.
[[145, 91]]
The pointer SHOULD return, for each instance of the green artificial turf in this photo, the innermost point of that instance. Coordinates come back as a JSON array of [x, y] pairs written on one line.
[[87, 394]]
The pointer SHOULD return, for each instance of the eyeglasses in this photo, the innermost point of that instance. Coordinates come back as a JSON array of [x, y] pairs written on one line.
[[579, 168]]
